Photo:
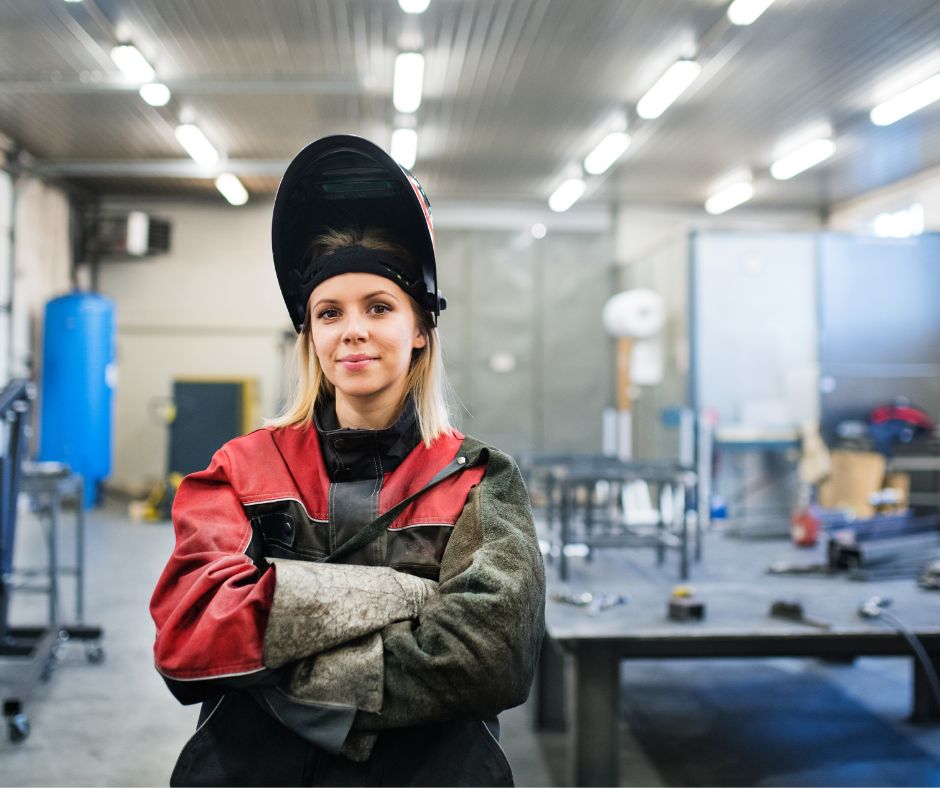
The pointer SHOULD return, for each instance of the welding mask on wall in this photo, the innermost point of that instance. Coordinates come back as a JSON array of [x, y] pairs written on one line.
[[341, 182]]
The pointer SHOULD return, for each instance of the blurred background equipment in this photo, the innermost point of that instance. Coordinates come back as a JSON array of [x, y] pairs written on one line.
[[634, 318], [78, 381]]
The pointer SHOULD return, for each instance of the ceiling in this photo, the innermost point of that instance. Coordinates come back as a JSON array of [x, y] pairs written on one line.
[[516, 92]]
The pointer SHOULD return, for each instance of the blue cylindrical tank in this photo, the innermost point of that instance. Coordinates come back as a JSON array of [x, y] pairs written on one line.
[[78, 376]]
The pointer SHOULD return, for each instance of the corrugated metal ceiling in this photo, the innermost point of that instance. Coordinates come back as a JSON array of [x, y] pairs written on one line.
[[516, 91]]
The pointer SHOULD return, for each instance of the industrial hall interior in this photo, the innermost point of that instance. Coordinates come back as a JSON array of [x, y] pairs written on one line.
[[470, 392]]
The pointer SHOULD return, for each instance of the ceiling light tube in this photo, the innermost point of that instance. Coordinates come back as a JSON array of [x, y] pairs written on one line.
[[156, 94], [905, 103], [196, 144], [414, 6], [231, 189], [607, 152], [134, 65], [729, 197], [566, 195], [668, 88], [802, 159], [409, 76], [743, 12], [405, 147]]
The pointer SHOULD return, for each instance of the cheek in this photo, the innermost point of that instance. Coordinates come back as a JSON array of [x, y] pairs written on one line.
[[321, 345]]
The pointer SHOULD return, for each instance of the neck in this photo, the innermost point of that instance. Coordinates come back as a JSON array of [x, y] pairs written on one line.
[[376, 412]]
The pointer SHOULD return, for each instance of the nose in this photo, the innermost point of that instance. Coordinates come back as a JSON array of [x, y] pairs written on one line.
[[355, 329]]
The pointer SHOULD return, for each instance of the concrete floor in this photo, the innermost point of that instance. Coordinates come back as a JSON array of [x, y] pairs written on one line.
[[116, 724]]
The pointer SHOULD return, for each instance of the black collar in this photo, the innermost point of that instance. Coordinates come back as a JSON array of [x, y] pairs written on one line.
[[355, 455]]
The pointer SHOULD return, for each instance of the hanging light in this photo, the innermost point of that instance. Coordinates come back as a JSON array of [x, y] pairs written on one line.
[[197, 146], [905, 103], [802, 159], [409, 78], [156, 94], [729, 197], [668, 88], [566, 195], [743, 12], [231, 188], [405, 147], [414, 6], [133, 65], [607, 152]]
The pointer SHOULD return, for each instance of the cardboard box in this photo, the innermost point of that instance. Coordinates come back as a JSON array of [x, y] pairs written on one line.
[[855, 477]]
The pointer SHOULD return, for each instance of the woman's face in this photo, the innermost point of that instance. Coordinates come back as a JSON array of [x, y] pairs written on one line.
[[363, 330]]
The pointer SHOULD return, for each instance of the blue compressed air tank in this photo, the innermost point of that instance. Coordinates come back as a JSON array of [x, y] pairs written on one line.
[[78, 376]]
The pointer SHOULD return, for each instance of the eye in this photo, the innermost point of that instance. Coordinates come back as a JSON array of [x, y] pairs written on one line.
[[328, 314], [380, 308]]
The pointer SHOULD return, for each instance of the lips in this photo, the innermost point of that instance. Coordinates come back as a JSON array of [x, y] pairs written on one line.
[[356, 362]]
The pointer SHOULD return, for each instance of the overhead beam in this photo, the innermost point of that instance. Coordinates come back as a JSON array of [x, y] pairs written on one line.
[[155, 168], [190, 86]]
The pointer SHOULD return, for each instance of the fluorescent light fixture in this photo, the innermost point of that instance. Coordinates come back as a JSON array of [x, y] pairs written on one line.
[[729, 197], [905, 103], [566, 195], [539, 231], [133, 64], [414, 6], [409, 76], [802, 159], [196, 144], [607, 152], [667, 89], [231, 188], [156, 94], [900, 224], [743, 12], [405, 147]]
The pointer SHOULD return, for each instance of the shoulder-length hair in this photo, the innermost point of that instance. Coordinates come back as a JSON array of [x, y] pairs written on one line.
[[427, 381]]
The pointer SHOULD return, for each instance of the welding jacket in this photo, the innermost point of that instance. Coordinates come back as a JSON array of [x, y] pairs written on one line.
[[388, 669]]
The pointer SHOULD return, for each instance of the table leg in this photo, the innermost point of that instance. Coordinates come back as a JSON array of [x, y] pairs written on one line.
[[925, 704], [53, 562], [80, 550], [595, 735], [565, 526], [589, 519], [550, 688], [684, 560]]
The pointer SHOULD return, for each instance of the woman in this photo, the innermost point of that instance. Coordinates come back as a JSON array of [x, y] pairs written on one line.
[[356, 590]]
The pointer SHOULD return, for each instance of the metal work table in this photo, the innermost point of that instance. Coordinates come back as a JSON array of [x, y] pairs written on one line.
[[570, 482], [738, 595]]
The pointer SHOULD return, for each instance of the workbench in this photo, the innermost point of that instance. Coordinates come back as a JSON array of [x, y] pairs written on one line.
[[738, 594], [574, 516]]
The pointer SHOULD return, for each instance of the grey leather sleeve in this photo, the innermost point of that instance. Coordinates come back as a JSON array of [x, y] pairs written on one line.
[[319, 606]]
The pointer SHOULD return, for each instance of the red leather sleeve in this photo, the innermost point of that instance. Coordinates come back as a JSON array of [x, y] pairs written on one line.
[[211, 603]]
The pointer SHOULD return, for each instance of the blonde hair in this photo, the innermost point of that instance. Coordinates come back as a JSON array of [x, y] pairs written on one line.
[[426, 381]]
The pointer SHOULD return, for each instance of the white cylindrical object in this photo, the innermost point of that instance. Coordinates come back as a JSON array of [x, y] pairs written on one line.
[[647, 362], [635, 313]]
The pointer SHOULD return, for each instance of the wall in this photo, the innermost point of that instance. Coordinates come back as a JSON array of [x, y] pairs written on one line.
[[855, 216], [42, 263], [211, 307], [652, 250]]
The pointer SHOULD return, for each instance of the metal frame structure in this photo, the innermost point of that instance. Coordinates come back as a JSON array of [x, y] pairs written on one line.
[[28, 654]]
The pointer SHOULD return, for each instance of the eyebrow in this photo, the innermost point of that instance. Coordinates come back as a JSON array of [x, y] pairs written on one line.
[[364, 298]]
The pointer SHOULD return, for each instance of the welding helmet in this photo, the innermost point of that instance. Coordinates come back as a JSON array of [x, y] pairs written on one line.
[[340, 182]]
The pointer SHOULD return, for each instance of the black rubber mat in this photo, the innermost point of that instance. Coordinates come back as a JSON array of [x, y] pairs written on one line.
[[703, 724]]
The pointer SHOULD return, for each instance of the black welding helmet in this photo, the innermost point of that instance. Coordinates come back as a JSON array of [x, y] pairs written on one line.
[[341, 182]]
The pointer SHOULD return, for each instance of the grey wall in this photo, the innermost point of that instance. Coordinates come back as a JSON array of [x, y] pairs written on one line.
[[212, 308], [542, 305], [652, 251]]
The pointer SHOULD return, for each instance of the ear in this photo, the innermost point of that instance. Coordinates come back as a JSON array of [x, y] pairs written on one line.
[[420, 340]]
